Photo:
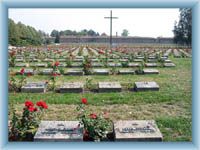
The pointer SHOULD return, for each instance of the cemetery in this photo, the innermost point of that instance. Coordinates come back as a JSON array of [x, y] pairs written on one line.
[[129, 79]]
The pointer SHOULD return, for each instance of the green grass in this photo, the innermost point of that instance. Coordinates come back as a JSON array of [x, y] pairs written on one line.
[[170, 106]]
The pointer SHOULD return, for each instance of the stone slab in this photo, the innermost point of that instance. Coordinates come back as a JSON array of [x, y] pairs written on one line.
[[169, 65], [74, 72], [34, 87], [114, 65], [146, 86], [47, 71], [96, 64], [138, 60], [100, 71], [21, 65], [109, 87], [41, 65], [151, 65], [71, 87], [137, 130], [59, 131], [126, 71], [133, 64], [78, 64], [150, 71]]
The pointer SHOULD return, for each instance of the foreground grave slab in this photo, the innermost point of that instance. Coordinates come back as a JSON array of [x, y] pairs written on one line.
[[151, 65], [100, 71], [71, 87], [137, 130], [34, 87], [110, 87], [146, 86], [126, 71], [74, 72], [169, 65], [59, 131]]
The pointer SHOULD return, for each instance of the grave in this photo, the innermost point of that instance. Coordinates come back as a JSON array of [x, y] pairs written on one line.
[[28, 71], [94, 64], [169, 65], [62, 65], [74, 72], [137, 130], [21, 65], [126, 71], [71, 87], [41, 65], [123, 60], [140, 57], [59, 131], [77, 60], [167, 61], [48, 60], [34, 87], [19, 60], [146, 86], [94, 60], [150, 71], [114, 65], [62, 60], [100, 71], [109, 87], [133, 65], [77, 64], [47, 71], [151, 65], [137, 60], [152, 60]]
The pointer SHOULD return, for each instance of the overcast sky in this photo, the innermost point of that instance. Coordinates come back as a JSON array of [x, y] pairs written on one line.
[[139, 22]]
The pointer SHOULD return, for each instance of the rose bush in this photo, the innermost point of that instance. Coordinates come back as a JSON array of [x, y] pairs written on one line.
[[23, 127]]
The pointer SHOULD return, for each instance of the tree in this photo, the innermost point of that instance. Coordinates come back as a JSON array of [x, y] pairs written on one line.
[[183, 29], [124, 32], [57, 39], [54, 33]]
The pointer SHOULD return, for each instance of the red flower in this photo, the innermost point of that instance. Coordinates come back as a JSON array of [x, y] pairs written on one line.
[[31, 109], [54, 74], [29, 104], [29, 74], [22, 71], [42, 104], [93, 116], [84, 100], [56, 63]]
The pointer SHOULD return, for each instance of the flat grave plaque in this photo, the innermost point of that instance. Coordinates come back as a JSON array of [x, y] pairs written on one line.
[[137, 60], [150, 71], [110, 87], [126, 71], [146, 86], [21, 65], [169, 65], [167, 61], [71, 87], [133, 64], [34, 87], [114, 65], [100, 71], [47, 71], [94, 64], [59, 131], [77, 64], [74, 72], [41, 65], [137, 130], [151, 64]]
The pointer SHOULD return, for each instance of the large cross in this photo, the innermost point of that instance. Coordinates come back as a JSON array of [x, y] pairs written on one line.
[[111, 18]]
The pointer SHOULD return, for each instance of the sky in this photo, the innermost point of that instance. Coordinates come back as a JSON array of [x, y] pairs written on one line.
[[139, 22]]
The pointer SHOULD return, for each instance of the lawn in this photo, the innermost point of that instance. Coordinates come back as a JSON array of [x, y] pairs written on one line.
[[171, 106]]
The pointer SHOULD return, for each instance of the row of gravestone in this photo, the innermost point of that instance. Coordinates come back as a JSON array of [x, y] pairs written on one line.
[[167, 64], [78, 87], [80, 72], [130, 130]]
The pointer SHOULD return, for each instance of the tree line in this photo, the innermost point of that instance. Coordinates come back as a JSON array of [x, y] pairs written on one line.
[[22, 35]]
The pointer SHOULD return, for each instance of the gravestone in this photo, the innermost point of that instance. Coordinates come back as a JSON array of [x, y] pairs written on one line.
[[126, 71], [109, 87], [95, 64], [167, 61], [140, 57], [71, 87], [19, 60], [61, 65], [77, 64], [77, 60], [152, 60], [151, 65], [137, 60], [94, 60], [47, 71], [34, 87], [41, 65], [74, 72], [48, 60], [21, 65], [150, 71], [137, 130], [59, 131], [62, 60], [28, 71], [133, 64], [146, 86], [169, 65], [100, 71], [114, 65], [152, 57]]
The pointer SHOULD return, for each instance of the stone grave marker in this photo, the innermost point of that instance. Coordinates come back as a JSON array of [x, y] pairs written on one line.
[[19, 60], [150, 71], [133, 64], [94, 60], [28, 71], [126, 71], [41, 65], [78, 72], [59, 131], [167, 61], [77, 60], [114, 65], [169, 65], [151, 65], [152, 60], [137, 130], [137, 60], [123, 60], [95, 64], [21, 65], [71, 87], [34, 87], [109, 87], [100, 71], [47, 71], [77, 64], [62, 65], [146, 86], [140, 57]]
